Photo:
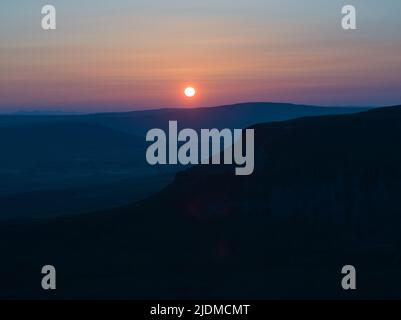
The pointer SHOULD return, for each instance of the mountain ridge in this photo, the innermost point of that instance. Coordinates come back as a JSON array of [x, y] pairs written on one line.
[[47, 113]]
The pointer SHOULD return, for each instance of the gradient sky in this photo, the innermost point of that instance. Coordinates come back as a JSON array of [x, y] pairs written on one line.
[[138, 54]]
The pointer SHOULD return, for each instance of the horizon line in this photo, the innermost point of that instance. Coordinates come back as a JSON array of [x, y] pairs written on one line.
[[50, 112]]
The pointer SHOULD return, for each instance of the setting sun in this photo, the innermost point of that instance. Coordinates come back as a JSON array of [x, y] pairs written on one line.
[[190, 92]]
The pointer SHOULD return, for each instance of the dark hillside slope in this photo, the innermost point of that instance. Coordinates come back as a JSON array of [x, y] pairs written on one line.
[[230, 116], [73, 159], [326, 192]]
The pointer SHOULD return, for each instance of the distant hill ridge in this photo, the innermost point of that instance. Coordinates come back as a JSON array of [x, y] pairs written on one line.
[[230, 116]]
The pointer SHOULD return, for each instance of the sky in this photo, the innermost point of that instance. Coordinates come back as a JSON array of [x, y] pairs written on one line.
[[117, 55]]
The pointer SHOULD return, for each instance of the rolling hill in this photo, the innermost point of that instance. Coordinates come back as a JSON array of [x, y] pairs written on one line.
[[74, 158], [325, 193]]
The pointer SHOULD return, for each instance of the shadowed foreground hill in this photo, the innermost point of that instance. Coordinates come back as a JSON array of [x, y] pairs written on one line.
[[73, 159], [326, 192]]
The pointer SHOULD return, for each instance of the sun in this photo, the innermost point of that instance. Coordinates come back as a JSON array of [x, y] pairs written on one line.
[[190, 92]]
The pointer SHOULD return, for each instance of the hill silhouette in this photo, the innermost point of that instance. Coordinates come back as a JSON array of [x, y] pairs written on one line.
[[325, 193], [229, 116], [74, 159]]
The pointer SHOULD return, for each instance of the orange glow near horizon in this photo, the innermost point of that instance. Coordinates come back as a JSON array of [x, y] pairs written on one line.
[[145, 57]]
